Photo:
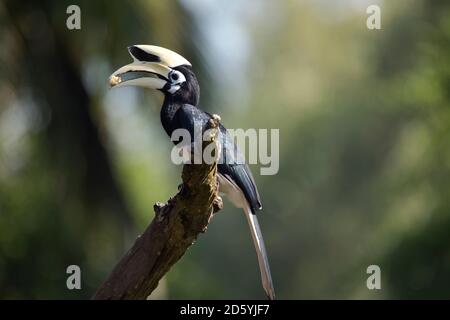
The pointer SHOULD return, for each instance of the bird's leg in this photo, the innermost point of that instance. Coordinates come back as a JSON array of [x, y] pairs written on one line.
[[216, 117], [158, 208]]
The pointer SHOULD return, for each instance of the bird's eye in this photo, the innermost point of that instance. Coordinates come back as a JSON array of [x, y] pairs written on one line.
[[174, 76]]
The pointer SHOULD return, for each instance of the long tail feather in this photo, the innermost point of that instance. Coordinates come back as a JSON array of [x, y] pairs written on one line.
[[263, 261]]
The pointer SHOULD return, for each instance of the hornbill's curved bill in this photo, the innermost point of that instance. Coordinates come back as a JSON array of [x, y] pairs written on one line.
[[162, 69]]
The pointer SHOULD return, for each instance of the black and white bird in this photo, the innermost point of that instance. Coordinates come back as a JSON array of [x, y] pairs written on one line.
[[164, 70]]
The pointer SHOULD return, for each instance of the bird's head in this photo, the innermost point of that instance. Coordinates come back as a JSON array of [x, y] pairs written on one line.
[[160, 69]]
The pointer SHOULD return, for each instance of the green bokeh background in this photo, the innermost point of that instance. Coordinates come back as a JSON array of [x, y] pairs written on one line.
[[364, 119]]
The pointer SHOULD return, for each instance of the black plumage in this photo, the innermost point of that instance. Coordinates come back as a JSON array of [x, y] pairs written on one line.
[[162, 69], [179, 111]]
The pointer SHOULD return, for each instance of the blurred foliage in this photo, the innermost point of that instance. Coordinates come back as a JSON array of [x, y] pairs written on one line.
[[364, 157]]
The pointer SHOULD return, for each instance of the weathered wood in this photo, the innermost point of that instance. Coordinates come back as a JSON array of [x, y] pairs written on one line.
[[174, 228]]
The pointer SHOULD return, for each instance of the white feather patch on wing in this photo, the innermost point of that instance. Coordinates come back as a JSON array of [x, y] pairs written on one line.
[[232, 191]]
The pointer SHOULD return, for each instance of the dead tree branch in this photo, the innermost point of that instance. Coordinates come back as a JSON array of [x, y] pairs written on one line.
[[174, 228]]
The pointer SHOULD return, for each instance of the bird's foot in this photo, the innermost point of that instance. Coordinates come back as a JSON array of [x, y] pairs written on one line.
[[217, 204]]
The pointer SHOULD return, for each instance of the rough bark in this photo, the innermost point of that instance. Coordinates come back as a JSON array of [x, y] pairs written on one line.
[[174, 228]]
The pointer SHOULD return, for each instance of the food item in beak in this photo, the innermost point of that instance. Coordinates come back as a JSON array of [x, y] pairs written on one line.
[[114, 80]]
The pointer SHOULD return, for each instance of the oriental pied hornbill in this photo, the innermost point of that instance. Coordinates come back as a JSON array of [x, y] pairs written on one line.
[[164, 70]]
